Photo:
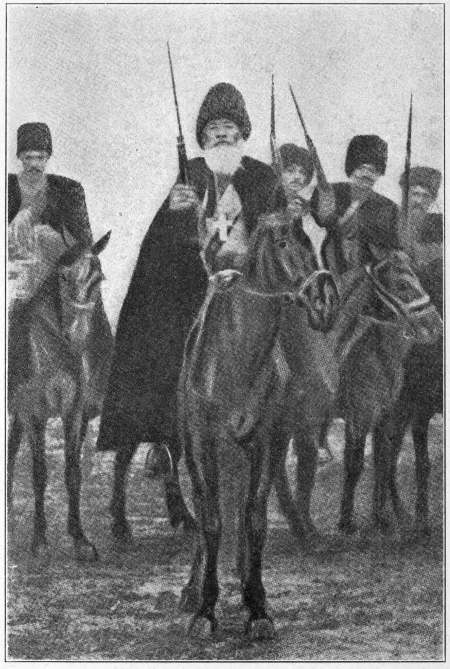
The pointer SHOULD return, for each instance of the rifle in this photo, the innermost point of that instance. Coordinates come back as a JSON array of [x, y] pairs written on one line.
[[320, 174], [182, 157], [405, 198], [276, 155]]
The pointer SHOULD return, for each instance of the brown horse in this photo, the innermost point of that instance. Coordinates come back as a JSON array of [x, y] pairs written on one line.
[[70, 356], [230, 402], [356, 372]]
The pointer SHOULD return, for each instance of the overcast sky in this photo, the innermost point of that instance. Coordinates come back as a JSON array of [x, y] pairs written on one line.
[[99, 76]]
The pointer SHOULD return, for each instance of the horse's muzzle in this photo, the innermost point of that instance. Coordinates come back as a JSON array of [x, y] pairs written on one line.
[[321, 299], [427, 326]]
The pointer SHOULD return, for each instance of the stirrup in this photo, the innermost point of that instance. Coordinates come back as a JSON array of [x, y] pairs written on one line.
[[162, 461]]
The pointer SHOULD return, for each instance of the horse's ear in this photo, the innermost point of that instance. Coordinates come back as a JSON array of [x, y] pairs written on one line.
[[69, 256], [101, 244]]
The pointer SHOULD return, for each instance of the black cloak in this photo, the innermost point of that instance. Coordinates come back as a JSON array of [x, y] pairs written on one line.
[[165, 294]]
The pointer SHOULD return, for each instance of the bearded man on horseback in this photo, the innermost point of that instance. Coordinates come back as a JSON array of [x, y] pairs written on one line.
[[47, 214], [169, 281]]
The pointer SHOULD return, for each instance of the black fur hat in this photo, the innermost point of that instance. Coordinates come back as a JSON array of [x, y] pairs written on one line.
[[427, 177], [366, 150], [34, 137], [293, 154], [223, 101]]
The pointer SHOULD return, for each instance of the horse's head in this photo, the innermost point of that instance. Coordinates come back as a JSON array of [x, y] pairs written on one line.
[[401, 292], [79, 276], [282, 260]]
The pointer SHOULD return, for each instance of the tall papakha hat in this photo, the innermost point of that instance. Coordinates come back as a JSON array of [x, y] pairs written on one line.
[[366, 150], [291, 154], [427, 177], [223, 101], [34, 137]]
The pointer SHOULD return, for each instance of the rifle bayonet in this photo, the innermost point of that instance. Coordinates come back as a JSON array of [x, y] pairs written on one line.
[[320, 174], [276, 156], [182, 157], [405, 199]]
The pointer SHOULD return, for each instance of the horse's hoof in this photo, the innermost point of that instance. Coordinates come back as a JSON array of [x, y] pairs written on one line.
[[201, 627], [122, 536], [382, 525], [189, 525], [422, 532], [40, 550], [261, 629], [347, 527], [85, 551], [315, 543], [189, 599]]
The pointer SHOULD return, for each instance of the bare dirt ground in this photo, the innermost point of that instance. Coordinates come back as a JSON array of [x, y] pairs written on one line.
[[370, 598]]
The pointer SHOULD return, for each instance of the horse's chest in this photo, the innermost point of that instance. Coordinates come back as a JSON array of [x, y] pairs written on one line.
[[46, 396]]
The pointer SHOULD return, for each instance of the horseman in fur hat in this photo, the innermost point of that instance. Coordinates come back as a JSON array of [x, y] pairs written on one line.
[[361, 228], [361, 223], [169, 281], [46, 214], [421, 233]]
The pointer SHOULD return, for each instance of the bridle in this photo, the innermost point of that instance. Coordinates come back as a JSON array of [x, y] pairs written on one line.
[[82, 306], [398, 306], [223, 280]]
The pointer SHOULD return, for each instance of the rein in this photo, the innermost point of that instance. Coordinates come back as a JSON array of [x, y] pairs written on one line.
[[293, 295], [82, 306], [394, 303]]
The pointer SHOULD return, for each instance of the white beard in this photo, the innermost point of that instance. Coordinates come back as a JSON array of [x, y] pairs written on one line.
[[225, 159]]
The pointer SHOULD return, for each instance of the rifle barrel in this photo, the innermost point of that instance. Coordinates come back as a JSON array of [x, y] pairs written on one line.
[[299, 112], [408, 159], [174, 92]]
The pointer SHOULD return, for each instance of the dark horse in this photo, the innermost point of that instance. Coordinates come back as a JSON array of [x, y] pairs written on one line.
[[230, 402], [420, 398], [358, 372], [70, 354]]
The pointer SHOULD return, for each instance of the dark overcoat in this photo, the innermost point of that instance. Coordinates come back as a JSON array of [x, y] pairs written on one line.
[[375, 223], [65, 210], [66, 206], [166, 291]]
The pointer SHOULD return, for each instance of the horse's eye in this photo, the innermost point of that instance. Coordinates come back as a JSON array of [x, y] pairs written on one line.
[[282, 244]]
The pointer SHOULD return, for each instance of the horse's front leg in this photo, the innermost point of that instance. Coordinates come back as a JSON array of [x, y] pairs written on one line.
[[74, 428], [355, 434], [262, 470], [207, 503], [36, 434], [14, 438], [382, 452]]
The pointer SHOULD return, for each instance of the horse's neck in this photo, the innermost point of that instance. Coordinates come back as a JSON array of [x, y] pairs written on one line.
[[235, 335], [246, 325], [49, 349]]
